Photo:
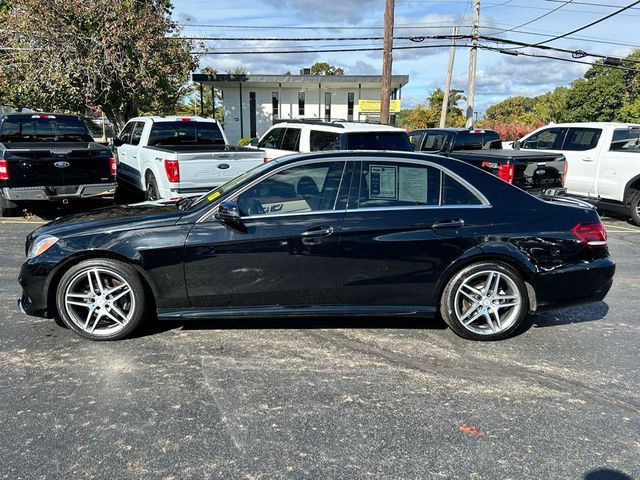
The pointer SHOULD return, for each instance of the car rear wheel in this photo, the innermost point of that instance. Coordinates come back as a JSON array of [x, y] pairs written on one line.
[[101, 299], [634, 209], [8, 208], [152, 188], [485, 301]]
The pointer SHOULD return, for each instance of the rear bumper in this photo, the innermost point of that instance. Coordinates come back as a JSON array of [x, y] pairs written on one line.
[[43, 193], [575, 284]]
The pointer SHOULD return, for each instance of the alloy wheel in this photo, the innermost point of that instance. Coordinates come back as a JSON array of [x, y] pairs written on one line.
[[99, 301], [487, 302]]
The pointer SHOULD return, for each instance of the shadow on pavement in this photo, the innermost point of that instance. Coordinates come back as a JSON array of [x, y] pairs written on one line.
[[606, 474], [591, 312], [293, 323]]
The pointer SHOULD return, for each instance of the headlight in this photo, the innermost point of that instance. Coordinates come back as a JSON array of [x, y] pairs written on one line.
[[40, 245]]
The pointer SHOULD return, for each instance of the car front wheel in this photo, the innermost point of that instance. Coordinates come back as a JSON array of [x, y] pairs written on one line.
[[485, 301], [101, 299], [634, 209]]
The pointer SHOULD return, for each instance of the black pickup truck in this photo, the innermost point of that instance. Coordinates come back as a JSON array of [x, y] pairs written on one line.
[[534, 172], [51, 157]]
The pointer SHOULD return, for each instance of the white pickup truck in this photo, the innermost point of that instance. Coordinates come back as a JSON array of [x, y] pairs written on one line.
[[603, 161], [171, 157]]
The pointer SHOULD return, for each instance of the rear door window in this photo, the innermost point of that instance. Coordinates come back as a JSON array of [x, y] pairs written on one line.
[[625, 140], [320, 141], [291, 140], [547, 139], [415, 139], [378, 141], [272, 139], [434, 142], [581, 139]]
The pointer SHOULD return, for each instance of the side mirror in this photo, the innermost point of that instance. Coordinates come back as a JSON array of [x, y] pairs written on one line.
[[116, 142], [229, 214], [254, 142], [517, 145]]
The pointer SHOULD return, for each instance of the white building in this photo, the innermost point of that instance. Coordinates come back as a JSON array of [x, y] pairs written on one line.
[[251, 103]]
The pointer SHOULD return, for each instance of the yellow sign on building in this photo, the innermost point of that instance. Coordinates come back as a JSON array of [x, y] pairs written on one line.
[[373, 106]]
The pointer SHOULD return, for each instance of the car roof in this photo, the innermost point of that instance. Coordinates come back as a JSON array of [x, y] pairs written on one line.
[[455, 130], [31, 114], [341, 127], [592, 124], [172, 118]]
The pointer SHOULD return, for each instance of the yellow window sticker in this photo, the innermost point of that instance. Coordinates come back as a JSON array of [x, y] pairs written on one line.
[[213, 196]]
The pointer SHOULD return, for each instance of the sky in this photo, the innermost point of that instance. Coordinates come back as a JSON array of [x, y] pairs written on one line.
[[498, 75]]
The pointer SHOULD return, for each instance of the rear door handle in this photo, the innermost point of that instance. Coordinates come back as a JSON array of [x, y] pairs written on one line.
[[317, 232], [450, 223], [588, 159]]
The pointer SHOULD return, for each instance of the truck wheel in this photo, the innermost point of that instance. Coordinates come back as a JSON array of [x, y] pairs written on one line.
[[8, 208], [151, 193], [485, 301], [101, 299], [634, 208]]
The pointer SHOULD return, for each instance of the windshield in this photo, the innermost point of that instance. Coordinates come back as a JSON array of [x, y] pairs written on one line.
[[231, 184], [185, 133], [44, 127], [379, 141]]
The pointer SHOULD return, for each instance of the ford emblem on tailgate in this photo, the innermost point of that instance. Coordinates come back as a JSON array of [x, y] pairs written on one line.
[[61, 164], [223, 166]]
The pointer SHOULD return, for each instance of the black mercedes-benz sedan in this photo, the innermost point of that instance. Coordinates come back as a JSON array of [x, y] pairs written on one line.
[[334, 233]]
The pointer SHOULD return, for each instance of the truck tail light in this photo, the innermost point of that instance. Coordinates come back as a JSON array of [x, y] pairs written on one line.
[[564, 173], [113, 166], [591, 233], [4, 170], [506, 172], [172, 168]]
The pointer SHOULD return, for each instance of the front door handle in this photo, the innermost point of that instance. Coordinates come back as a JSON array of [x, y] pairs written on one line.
[[588, 159], [450, 223], [317, 232]]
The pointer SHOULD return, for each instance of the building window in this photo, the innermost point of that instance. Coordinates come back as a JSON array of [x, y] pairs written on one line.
[[327, 106], [394, 94], [252, 114], [350, 100], [275, 105], [301, 104]]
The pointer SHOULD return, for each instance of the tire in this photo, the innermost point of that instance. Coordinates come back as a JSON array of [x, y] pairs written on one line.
[[471, 307], [8, 208], [101, 299], [634, 208], [151, 193]]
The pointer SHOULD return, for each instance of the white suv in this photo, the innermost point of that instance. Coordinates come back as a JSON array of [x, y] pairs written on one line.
[[304, 136]]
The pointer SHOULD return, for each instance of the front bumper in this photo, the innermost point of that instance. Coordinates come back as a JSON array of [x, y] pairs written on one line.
[[39, 193], [34, 279]]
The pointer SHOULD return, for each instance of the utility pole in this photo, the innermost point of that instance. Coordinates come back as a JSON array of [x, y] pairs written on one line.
[[387, 58], [473, 54], [447, 85]]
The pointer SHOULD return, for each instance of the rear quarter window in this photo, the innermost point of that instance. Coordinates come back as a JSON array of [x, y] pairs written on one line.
[[398, 141], [581, 139], [319, 141]]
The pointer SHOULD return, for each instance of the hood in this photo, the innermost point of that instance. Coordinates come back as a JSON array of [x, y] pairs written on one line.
[[122, 217]]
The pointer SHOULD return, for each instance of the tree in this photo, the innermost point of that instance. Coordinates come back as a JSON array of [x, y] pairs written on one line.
[[323, 68], [552, 106], [512, 109], [124, 57], [428, 115]]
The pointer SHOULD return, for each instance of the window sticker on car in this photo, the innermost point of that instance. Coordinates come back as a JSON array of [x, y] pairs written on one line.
[[413, 185], [213, 196], [383, 181]]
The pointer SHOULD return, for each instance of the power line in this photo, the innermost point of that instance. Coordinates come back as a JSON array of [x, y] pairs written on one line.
[[590, 24], [537, 18]]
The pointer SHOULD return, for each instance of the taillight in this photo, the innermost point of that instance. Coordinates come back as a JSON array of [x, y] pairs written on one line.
[[4, 170], [564, 173], [172, 167], [591, 233], [265, 160], [506, 172], [113, 166]]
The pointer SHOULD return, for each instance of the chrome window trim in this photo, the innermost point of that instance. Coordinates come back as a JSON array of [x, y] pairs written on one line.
[[298, 214], [206, 216], [444, 170]]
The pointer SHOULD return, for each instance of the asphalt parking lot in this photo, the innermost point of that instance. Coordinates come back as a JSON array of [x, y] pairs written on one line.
[[391, 398]]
